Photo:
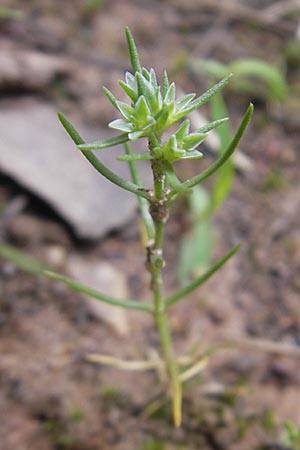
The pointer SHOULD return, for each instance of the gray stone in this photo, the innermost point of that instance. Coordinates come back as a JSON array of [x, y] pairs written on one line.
[[106, 279], [37, 152]]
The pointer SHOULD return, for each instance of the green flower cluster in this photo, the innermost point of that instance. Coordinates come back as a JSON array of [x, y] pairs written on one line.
[[153, 109]]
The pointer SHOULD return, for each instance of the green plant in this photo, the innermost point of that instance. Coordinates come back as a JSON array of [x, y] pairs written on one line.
[[252, 75], [196, 247], [150, 112], [291, 436], [9, 13], [153, 444], [153, 109]]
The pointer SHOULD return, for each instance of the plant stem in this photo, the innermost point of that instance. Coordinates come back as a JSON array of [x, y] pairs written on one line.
[[159, 213]]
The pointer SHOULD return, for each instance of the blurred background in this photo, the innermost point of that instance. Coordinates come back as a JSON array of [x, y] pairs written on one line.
[[56, 56]]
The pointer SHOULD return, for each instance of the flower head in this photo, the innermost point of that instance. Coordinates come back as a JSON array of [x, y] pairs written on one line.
[[152, 109]]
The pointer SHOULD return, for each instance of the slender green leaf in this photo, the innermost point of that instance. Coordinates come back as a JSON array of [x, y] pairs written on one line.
[[153, 79], [101, 168], [203, 98], [21, 259], [105, 143], [247, 71], [146, 91], [10, 13], [275, 81], [134, 56], [146, 73], [210, 92], [172, 179], [219, 110], [200, 280], [110, 97], [196, 246], [165, 84], [120, 125], [195, 154], [126, 110], [142, 109], [73, 284], [70, 129], [193, 140], [195, 250], [209, 67], [225, 175], [137, 134], [210, 126], [182, 130], [129, 91], [170, 94], [130, 80], [226, 155], [34, 266], [146, 156], [183, 102]]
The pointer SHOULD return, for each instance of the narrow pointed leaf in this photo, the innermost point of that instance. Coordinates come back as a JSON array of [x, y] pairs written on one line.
[[172, 179], [271, 75], [184, 101], [70, 129], [182, 130], [76, 286], [158, 98], [142, 108], [145, 73], [212, 125], [195, 250], [165, 84], [224, 181], [34, 266], [130, 80], [153, 79], [110, 96], [145, 89], [200, 280], [134, 56], [193, 155], [101, 168], [22, 260], [226, 155], [203, 98], [163, 115], [171, 150], [208, 94], [135, 157], [170, 94], [105, 143], [210, 67], [192, 141], [126, 110], [121, 125], [129, 91], [136, 135]]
